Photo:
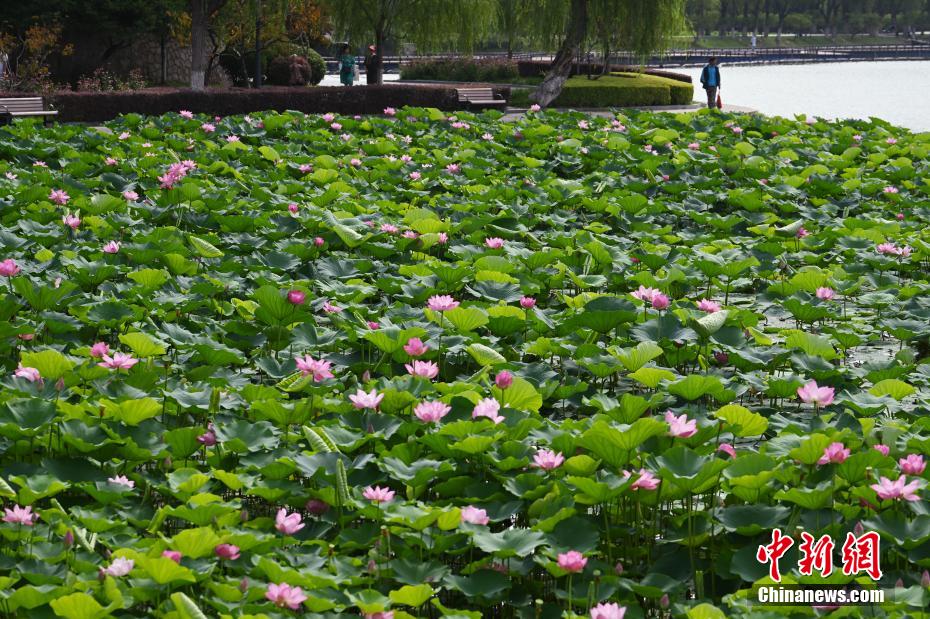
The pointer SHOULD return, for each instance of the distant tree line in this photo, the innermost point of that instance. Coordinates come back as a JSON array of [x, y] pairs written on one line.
[[802, 17]]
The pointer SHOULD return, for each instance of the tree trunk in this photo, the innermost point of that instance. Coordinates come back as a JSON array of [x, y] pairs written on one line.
[[561, 67], [199, 27]]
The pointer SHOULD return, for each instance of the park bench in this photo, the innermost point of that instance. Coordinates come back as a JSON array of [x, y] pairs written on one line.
[[479, 97], [19, 107]]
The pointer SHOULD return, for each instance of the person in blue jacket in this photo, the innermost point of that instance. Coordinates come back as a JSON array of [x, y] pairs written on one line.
[[710, 79]]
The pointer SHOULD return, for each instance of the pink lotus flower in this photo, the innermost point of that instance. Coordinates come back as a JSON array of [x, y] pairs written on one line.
[[232, 138], [20, 515], [694, 146], [608, 611], [488, 407], [329, 308], [389, 111], [335, 126], [42, 164], [801, 233], [891, 141], [882, 449], [646, 481], [296, 297], [72, 221], [706, 305], [10, 176], [431, 412], [122, 480], [913, 464], [728, 449], [415, 347], [819, 396], [893, 490], [737, 130], [329, 117], [99, 349], [120, 566], [442, 238], [583, 124], [546, 459], [174, 555], [415, 176], [834, 452], [30, 374], [384, 614], [890, 190], [227, 551], [374, 326], [305, 168], [442, 303], [208, 438], [645, 294], [494, 242], [285, 595], [681, 426], [378, 494], [826, 294], [362, 400], [900, 216], [293, 208], [288, 523], [319, 368], [503, 380], [474, 515], [318, 241], [453, 168], [424, 369], [406, 158], [572, 561], [857, 137], [208, 127], [527, 302], [186, 114], [9, 268], [410, 234], [132, 196], [111, 248], [487, 137], [886, 248], [58, 196], [535, 107], [355, 162], [660, 301], [389, 228], [119, 361]]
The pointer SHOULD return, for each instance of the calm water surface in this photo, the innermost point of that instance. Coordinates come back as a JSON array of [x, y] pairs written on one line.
[[898, 92]]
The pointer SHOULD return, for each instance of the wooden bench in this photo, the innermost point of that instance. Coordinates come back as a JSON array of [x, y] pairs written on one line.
[[20, 107], [479, 97]]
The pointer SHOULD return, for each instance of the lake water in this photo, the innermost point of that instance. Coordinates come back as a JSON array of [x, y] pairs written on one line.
[[898, 92]]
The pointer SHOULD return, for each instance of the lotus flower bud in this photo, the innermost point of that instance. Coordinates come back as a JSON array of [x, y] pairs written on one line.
[[69, 540], [618, 568], [244, 585], [503, 380], [317, 507], [244, 515], [925, 579], [663, 601]]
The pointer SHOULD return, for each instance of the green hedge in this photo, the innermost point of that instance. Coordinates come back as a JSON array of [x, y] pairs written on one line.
[[624, 90], [461, 69]]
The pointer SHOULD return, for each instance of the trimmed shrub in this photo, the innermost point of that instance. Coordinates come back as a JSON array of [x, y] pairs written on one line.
[[461, 69], [317, 67], [538, 68], [95, 107], [623, 90], [291, 70]]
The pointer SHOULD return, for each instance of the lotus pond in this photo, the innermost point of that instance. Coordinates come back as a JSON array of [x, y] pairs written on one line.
[[417, 365]]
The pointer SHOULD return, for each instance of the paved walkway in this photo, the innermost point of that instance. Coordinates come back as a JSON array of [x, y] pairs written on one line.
[[513, 113]]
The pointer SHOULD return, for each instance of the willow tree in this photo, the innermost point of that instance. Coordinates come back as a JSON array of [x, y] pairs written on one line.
[[640, 26], [429, 24]]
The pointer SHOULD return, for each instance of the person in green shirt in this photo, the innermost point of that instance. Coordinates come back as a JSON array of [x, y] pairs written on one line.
[[346, 66]]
